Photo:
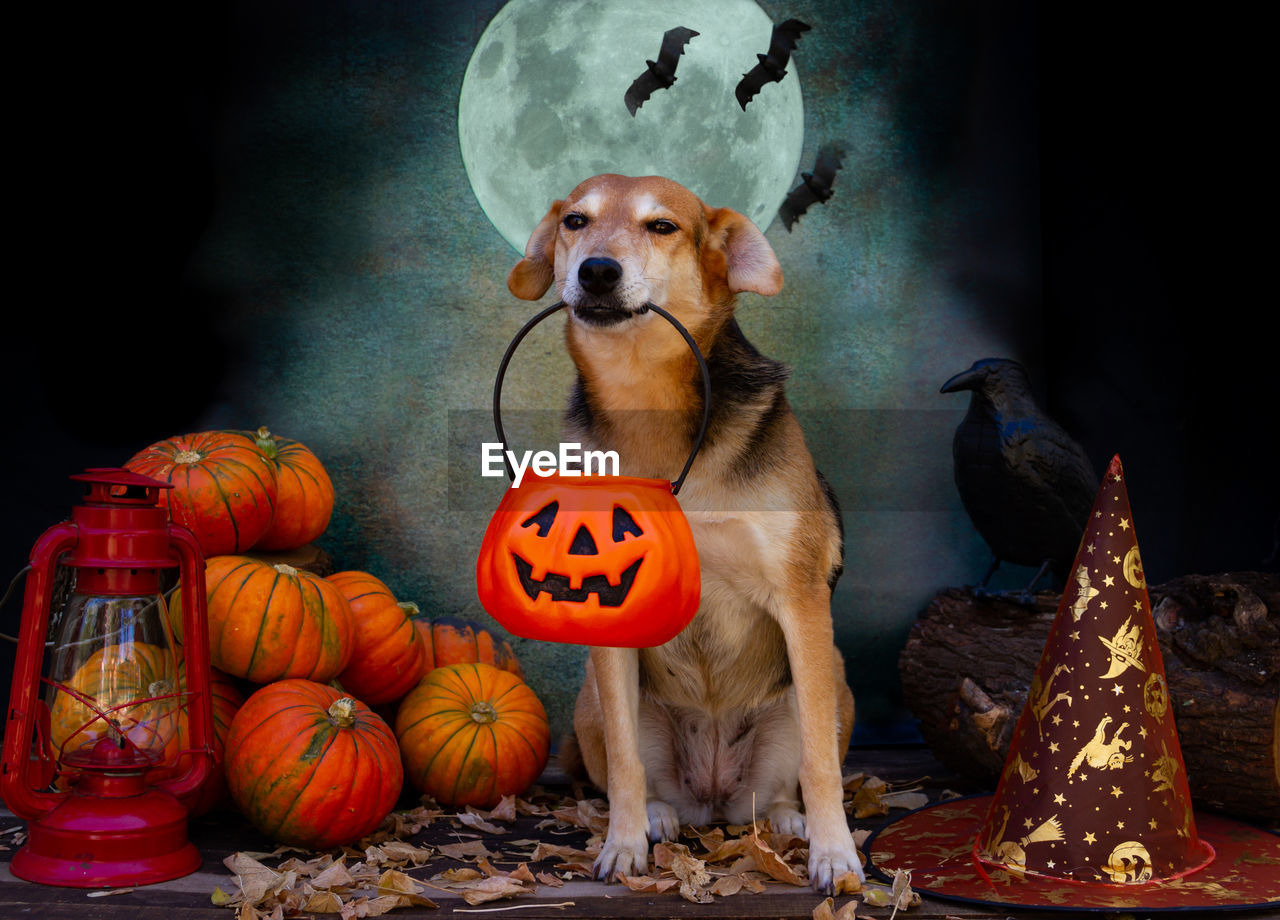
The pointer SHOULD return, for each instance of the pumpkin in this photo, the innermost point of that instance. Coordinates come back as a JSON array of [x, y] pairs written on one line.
[[451, 640], [224, 489], [310, 766], [268, 622], [603, 560], [111, 677], [226, 699], [387, 652], [470, 734], [304, 493]]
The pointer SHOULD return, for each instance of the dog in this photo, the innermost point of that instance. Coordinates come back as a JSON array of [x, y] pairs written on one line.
[[747, 710]]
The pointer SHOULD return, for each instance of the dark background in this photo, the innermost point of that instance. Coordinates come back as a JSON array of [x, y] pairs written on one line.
[[1157, 328]]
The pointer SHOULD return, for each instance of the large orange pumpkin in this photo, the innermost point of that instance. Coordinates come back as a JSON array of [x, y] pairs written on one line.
[[311, 767], [268, 622], [226, 700], [470, 734], [224, 489], [304, 493], [387, 650], [451, 640], [112, 680]]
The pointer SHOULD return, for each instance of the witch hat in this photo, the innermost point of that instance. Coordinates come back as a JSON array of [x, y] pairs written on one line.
[[1092, 810]]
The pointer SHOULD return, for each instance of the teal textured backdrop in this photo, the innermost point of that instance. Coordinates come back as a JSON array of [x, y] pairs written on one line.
[[269, 209], [368, 305]]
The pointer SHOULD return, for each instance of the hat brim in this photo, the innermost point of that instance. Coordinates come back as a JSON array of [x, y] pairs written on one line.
[[935, 844]]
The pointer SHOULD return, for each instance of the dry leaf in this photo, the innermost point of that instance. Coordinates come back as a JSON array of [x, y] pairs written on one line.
[[647, 883], [769, 862], [322, 902], [397, 852], [848, 883], [468, 849], [904, 896], [473, 819], [552, 881], [492, 889], [727, 885], [459, 875], [826, 910], [877, 896], [907, 799]]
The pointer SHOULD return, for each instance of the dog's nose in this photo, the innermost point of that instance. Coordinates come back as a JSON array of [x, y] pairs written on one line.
[[599, 275]]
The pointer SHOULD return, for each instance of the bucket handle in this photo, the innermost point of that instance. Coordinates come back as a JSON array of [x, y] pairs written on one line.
[[697, 354]]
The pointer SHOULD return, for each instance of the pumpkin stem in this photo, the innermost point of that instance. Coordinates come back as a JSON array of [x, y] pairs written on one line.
[[188, 456], [483, 712], [285, 569], [409, 607], [266, 443], [343, 712]]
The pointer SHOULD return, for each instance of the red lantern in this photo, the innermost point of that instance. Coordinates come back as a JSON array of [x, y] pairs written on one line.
[[592, 560], [100, 766]]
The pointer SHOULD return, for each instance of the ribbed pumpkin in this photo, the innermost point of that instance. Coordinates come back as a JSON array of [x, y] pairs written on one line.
[[304, 492], [268, 622], [153, 725], [311, 767], [224, 489], [470, 734], [387, 652], [450, 640], [226, 700]]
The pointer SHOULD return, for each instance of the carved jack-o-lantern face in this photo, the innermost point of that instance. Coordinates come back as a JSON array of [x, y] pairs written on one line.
[[590, 560]]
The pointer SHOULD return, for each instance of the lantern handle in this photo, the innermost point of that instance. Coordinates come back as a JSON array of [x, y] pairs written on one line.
[[697, 354]]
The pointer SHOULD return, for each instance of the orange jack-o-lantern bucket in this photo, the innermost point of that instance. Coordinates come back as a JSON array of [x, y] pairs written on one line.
[[591, 560]]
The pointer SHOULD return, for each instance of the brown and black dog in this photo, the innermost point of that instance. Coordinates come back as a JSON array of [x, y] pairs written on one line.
[[747, 708]]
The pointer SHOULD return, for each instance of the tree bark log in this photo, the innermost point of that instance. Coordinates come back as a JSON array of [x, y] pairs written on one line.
[[968, 663]]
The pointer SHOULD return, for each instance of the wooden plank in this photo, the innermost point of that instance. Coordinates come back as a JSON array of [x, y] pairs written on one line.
[[221, 834]]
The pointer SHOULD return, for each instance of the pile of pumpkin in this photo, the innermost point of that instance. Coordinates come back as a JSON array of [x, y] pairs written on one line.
[[330, 695]]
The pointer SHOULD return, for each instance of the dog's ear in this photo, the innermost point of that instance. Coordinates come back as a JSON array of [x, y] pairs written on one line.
[[749, 262], [531, 276]]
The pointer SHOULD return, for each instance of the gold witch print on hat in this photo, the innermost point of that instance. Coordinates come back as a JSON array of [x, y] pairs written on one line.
[[1092, 809]]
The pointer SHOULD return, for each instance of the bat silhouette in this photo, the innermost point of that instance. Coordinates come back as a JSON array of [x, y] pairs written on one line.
[[815, 188], [772, 66], [660, 74]]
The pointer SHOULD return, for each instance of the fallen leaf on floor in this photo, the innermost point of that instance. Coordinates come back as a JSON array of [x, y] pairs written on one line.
[[826, 910]]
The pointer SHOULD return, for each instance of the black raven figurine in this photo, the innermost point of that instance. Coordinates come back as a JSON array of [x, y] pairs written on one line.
[[1026, 484], [659, 74]]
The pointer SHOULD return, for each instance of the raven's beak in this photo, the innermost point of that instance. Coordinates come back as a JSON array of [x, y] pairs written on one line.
[[965, 380]]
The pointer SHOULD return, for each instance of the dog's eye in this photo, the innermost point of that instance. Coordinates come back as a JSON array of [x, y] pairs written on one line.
[[661, 225], [574, 221]]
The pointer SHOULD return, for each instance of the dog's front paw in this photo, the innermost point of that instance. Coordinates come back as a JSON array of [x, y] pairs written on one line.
[[828, 863], [664, 824], [784, 819], [630, 856]]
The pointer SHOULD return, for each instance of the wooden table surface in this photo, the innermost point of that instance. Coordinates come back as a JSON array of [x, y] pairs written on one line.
[[222, 833]]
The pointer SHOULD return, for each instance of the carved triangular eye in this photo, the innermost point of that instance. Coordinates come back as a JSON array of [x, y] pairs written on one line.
[[542, 520], [623, 524], [582, 544]]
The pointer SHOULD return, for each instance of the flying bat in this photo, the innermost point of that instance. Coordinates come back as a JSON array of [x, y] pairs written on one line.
[[815, 188], [660, 74], [772, 66]]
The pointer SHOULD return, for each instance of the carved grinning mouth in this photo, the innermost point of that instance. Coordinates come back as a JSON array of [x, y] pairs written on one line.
[[558, 585]]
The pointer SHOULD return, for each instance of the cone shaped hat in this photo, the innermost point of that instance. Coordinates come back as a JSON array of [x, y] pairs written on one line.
[[1092, 807]]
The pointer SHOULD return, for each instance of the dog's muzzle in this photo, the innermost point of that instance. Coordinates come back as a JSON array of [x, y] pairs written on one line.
[[600, 303]]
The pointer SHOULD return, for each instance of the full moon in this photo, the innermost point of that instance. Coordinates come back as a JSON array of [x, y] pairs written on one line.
[[542, 107]]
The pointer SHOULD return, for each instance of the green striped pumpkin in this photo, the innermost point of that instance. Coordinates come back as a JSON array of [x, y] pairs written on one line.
[[310, 767], [224, 488], [470, 734]]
